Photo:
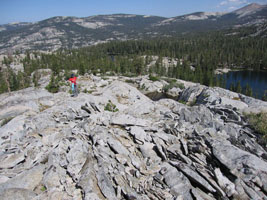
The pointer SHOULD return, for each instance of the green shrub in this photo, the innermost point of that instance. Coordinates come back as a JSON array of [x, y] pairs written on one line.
[[181, 101], [170, 80], [63, 83], [88, 91], [153, 78], [53, 85], [173, 84], [67, 74], [264, 98], [43, 188], [259, 123], [167, 87], [36, 77], [142, 87], [180, 85], [129, 81], [129, 74], [111, 107]]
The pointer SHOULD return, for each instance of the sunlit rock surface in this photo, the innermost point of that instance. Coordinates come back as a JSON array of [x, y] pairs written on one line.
[[54, 146]]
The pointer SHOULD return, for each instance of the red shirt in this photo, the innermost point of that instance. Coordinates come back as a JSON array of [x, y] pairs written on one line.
[[73, 80]]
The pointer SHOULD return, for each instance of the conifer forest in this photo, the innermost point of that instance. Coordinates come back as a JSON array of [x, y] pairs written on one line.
[[196, 56]]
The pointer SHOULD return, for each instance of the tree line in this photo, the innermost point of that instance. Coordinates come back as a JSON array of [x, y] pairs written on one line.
[[198, 56]]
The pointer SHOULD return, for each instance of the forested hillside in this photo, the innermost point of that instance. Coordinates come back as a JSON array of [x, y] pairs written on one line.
[[74, 32], [193, 58]]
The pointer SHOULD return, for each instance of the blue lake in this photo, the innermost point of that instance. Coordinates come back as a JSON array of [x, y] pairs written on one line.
[[257, 80]]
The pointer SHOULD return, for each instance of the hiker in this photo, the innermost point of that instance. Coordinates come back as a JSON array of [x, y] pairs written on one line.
[[73, 79]]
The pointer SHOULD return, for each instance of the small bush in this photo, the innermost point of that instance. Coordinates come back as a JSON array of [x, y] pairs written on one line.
[[170, 80], [88, 91], [52, 88], [264, 98], [43, 188], [142, 87], [129, 74], [36, 77], [166, 88], [181, 101], [53, 85], [180, 85], [111, 107], [129, 81], [172, 85], [153, 78], [63, 83], [259, 123]]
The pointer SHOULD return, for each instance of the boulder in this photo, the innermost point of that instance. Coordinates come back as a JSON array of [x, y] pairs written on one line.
[[14, 130], [254, 105], [138, 133], [11, 160], [179, 185], [147, 150], [17, 194], [227, 186], [116, 146], [28, 180], [76, 158], [194, 176], [190, 94], [236, 159], [123, 93], [105, 185], [152, 86], [200, 195], [16, 103], [174, 92], [217, 96]]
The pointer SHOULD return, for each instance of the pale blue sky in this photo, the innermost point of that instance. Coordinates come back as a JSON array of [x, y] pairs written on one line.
[[36, 10]]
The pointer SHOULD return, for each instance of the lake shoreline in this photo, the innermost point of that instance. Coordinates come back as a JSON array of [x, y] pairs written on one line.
[[256, 80], [220, 71]]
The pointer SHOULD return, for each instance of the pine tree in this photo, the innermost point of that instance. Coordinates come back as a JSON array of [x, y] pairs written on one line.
[[248, 90], [264, 97], [3, 85], [81, 69], [53, 85], [238, 87], [35, 78], [232, 87]]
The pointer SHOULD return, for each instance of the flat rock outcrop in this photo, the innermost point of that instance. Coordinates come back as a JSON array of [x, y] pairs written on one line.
[[62, 147]]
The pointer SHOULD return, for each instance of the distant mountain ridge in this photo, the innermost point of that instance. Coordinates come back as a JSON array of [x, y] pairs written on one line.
[[73, 32], [248, 10]]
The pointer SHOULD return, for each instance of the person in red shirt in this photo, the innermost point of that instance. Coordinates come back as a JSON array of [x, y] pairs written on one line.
[[73, 79]]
